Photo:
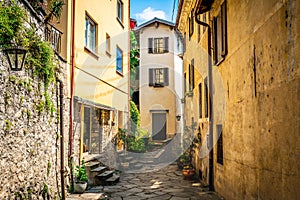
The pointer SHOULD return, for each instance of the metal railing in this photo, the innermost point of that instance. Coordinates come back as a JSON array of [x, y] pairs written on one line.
[[53, 36]]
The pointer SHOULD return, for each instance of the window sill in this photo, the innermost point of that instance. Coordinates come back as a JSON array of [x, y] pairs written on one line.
[[158, 53], [92, 53], [120, 22], [220, 61], [119, 73], [108, 54]]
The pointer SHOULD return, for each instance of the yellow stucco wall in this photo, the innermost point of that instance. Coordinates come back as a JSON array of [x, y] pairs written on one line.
[[96, 78], [261, 130], [157, 98]]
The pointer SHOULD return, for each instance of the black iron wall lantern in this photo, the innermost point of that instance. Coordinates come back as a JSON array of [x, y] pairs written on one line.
[[178, 117], [16, 57]]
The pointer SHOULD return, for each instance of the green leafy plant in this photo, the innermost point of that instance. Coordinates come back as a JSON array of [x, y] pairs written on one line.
[[80, 174], [12, 18]]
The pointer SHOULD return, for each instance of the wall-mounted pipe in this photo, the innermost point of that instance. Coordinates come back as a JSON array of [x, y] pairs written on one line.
[[210, 87], [62, 157], [72, 88]]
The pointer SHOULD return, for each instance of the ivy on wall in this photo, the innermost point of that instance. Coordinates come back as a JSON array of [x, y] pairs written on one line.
[[40, 56]]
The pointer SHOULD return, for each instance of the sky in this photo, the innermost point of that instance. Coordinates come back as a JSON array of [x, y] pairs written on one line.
[[144, 10]]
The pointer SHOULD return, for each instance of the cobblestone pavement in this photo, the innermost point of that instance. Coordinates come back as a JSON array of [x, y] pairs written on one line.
[[165, 184]]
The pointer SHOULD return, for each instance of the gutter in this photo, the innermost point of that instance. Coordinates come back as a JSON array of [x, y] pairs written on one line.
[[61, 116], [210, 89], [72, 89]]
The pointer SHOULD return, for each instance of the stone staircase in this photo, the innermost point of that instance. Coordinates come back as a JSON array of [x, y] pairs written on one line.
[[100, 174], [138, 162]]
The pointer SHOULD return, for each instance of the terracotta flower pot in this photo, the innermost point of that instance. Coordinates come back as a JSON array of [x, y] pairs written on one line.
[[188, 173]]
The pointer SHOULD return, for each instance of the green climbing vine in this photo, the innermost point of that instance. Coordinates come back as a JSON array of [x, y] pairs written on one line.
[[40, 58]]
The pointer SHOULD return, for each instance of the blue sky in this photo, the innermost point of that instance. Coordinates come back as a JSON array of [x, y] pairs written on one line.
[[144, 10]]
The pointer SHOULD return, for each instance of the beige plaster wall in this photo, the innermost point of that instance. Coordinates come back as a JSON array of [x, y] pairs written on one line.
[[157, 98]]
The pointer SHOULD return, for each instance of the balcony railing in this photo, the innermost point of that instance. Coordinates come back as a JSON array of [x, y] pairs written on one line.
[[53, 36]]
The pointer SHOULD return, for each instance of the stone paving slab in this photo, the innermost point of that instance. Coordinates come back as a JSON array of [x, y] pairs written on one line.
[[164, 184]]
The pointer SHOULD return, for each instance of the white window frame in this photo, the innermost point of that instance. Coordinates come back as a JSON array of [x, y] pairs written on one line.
[[90, 33], [117, 58]]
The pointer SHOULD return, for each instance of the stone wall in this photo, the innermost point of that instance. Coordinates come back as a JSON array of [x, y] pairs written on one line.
[[29, 134]]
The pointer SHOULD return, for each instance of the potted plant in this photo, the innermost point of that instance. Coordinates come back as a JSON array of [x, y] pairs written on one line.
[[188, 171], [81, 179], [185, 160]]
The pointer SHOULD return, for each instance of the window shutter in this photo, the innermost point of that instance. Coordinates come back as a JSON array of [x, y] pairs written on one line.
[[150, 45], [215, 52], [166, 46], [224, 31], [166, 76], [151, 77]]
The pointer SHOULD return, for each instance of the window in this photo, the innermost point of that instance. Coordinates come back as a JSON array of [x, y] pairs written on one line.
[[120, 10], [199, 33], [206, 99], [184, 83], [191, 24], [119, 60], [158, 77], [220, 145], [191, 76], [90, 34], [158, 45], [200, 100], [220, 35], [204, 20], [107, 43]]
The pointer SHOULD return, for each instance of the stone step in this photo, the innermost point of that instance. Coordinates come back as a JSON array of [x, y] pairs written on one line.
[[112, 180], [99, 169], [91, 165], [105, 175]]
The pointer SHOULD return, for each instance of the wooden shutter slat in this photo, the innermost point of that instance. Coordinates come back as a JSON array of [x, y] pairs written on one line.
[[166, 76]]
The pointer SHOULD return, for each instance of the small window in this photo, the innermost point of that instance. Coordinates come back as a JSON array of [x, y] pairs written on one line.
[[206, 99], [90, 33], [200, 100], [220, 36], [191, 24], [120, 10], [158, 45], [191, 76], [199, 32], [220, 145], [184, 83], [158, 77], [107, 43], [204, 20], [119, 60]]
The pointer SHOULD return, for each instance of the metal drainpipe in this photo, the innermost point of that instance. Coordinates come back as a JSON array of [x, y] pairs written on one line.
[[210, 89], [72, 90], [61, 117]]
